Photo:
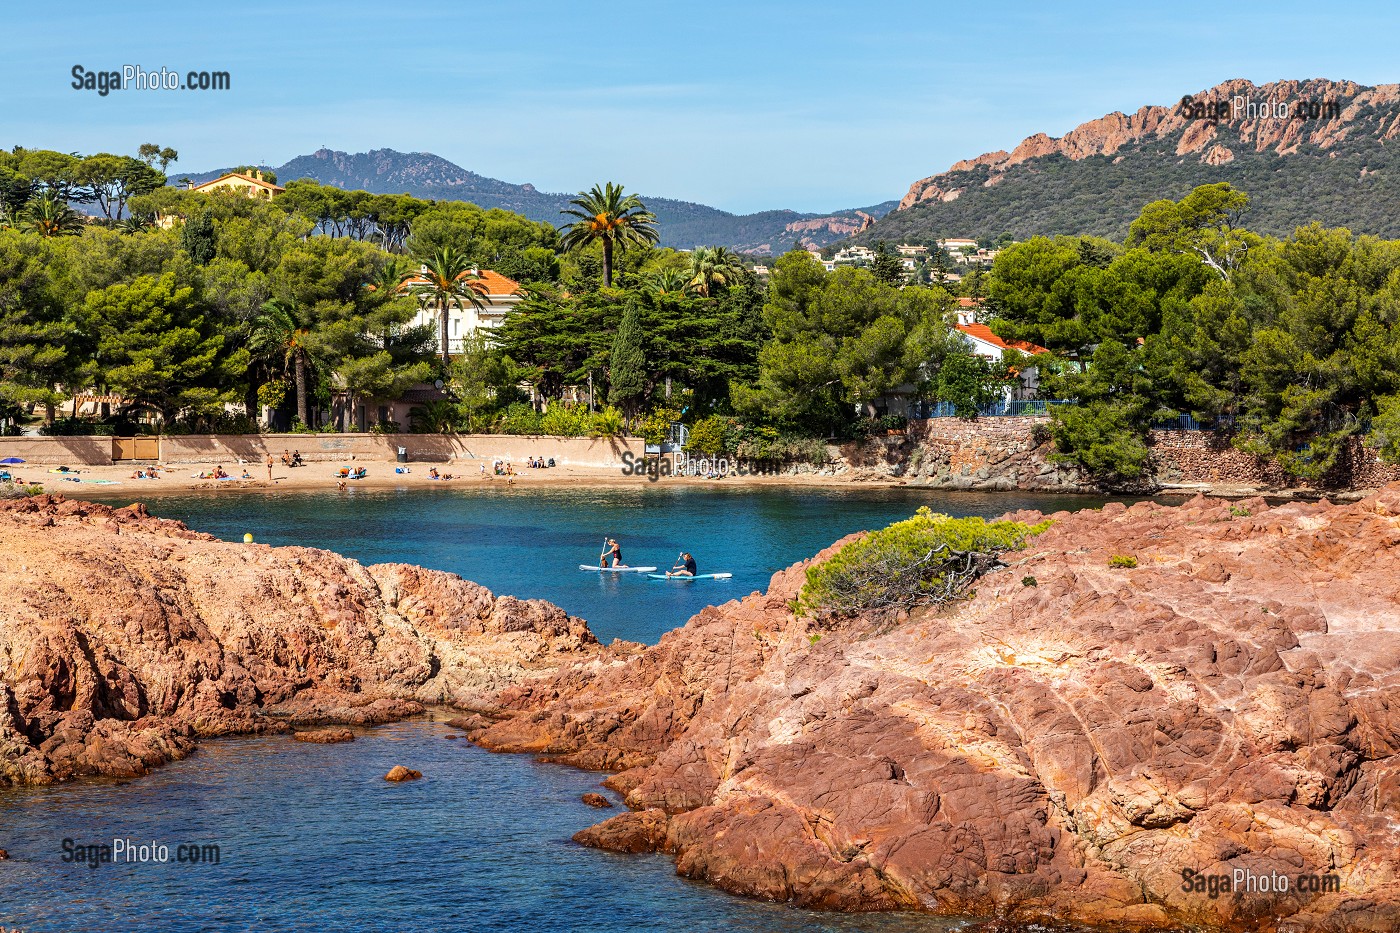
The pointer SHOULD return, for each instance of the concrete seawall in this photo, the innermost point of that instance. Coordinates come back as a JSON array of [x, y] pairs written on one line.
[[326, 448]]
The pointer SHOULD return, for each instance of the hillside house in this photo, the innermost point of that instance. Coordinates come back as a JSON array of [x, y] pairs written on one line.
[[252, 186], [498, 295]]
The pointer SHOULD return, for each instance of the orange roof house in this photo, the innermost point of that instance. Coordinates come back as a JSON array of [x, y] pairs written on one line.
[[499, 294], [253, 186], [985, 343]]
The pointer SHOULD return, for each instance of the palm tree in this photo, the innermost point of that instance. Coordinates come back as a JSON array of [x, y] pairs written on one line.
[[713, 265], [136, 223], [612, 217], [276, 338], [51, 216], [667, 281], [447, 280]]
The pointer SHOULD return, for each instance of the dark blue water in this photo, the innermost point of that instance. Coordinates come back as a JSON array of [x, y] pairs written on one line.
[[311, 838], [529, 542]]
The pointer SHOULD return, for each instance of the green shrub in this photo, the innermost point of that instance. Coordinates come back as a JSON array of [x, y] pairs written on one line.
[[607, 423], [1029, 581], [520, 418], [927, 558], [566, 420], [709, 436], [440, 416], [654, 426], [1240, 511], [1122, 561]]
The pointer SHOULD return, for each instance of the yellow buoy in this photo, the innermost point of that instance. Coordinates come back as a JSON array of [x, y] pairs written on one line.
[[248, 538]]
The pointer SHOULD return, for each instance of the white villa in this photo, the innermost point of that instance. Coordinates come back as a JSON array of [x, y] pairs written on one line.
[[498, 295]]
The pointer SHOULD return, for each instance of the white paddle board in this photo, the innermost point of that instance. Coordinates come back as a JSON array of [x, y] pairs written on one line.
[[616, 569]]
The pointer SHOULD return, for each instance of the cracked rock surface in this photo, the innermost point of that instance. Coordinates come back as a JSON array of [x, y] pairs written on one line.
[[1059, 750]]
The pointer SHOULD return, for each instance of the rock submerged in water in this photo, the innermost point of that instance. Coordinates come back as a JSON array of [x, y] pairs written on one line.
[[1095, 748], [3, 855], [128, 638], [400, 773], [325, 736], [596, 800]]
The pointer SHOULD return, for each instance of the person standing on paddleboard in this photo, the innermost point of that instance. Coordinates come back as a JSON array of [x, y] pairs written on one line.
[[685, 566], [614, 550]]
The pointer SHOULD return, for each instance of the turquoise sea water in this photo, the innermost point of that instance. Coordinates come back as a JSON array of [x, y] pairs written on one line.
[[529, 542], [312, 839]]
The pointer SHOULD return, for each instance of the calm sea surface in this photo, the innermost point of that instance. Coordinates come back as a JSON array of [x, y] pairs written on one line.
[[311, 838]]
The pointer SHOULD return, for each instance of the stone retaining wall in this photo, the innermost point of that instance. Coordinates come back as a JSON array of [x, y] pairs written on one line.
[[1207, 457], [1009, 453], [325, 448]]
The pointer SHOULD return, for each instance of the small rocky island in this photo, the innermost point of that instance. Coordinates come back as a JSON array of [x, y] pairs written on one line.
[[1148, 704]]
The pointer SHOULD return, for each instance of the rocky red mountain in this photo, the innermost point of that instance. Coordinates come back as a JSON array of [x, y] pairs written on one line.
[[1304, 150]]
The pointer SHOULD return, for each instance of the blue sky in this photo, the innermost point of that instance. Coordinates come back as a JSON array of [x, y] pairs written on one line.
[[745, 106]]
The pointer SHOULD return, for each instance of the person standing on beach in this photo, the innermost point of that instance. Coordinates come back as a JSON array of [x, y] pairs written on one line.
[[269, 468]]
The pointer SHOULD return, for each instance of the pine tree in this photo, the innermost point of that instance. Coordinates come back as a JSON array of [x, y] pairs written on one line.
[[627, 374], [198, 238]]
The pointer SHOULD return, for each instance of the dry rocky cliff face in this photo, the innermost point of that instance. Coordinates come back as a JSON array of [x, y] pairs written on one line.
[[125, 638], [1199, 138], [1066, 743]]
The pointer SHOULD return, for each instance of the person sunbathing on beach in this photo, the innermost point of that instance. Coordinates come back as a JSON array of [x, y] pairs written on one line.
[[151, 473], [433, 474], [219, 471]]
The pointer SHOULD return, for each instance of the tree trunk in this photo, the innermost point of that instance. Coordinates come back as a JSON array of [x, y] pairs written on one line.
[[607, 261], [442, 315], [303, 404]]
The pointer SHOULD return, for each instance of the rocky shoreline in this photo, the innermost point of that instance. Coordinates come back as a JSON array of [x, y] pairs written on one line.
[[1076, 741], [124, 639], [1063, 745]]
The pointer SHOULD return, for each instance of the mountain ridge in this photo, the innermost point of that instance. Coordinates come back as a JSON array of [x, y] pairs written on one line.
[[1331, 162], [682, 224]]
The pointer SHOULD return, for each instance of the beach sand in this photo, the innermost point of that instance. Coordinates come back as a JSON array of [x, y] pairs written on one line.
[[184, 478]]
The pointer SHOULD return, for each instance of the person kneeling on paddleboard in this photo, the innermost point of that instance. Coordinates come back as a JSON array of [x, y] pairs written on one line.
[[685, 567]]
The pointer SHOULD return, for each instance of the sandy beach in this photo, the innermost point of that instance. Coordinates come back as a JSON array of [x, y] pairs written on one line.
[[186, 477]]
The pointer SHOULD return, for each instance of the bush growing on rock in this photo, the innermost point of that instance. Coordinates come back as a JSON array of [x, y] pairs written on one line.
[[1122, 561], [927, 558]]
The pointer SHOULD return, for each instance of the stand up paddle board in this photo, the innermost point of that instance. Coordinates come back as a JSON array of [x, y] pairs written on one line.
[[616, 569], [698, 576]]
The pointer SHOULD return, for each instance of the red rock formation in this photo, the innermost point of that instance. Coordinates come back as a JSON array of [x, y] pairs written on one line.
[[1064, 744], [1110, 133], [124, 638]]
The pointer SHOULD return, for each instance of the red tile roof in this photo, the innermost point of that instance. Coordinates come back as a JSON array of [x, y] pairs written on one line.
[[984, 333], [491, 284], [969, 303]]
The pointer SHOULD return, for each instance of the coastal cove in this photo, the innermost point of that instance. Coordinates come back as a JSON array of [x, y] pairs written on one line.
[[311, 837], [528, 542]]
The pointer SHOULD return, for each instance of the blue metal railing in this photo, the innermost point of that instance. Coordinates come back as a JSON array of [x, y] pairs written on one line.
[[1188, 423]]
